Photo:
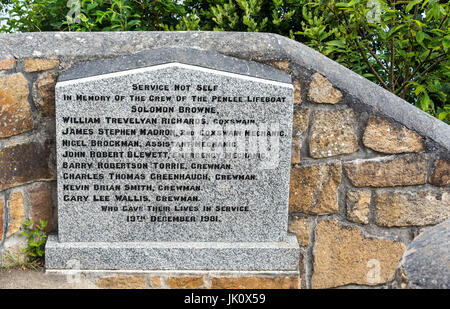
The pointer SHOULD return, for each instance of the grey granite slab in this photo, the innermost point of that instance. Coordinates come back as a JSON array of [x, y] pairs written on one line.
[[245, 256], [141, 186], [427, 258]]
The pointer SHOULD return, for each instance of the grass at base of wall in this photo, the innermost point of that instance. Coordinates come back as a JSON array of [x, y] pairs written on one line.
[[11, 262]]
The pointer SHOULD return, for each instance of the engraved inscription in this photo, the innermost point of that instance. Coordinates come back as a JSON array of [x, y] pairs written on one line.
[[173, 147]]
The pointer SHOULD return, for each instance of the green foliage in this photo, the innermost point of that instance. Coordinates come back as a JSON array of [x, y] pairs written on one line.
[[189, 22], [402, 45], [403, 48], [36, 239], [93, 15], [276, 16], [3, 4]]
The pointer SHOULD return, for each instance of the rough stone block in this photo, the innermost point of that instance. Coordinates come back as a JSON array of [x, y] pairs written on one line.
[[358, 202], [15, 113], [26, 162], [411, 207], [44, 94], [37, 64], [7, 64], [299, 129], [122, 282], [297, 92], [2, 217], [322, 91], [382, 136], [12, 250], [16, 213], [185, 282], [343, 255], [333, 133], [406, 170], [282, 65], [300, 227], [295, 151], [255, 282], [300, 121], [40, 196], [441, 172], [314, 189], [155, 282]]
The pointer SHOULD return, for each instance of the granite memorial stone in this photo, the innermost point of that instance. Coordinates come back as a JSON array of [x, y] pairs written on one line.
[[173, 159]]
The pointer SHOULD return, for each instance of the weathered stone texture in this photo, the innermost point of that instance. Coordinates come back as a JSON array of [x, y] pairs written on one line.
[[322, 91], [281, 65], [300, 121], [333, 133], [22, 163], [185, 282], [406, 170], [441, 172], [44, 94], [411, 208], [358, 202], [382, 136], [37, 64], [296, 150], [16, 212], [300, 227], [255, 282], [155, 282], [343, 255], [15, 114], [426, 261], [314, 189], [7, 64], [297, 92], [299, 129], [12, 251], [122, 282], [40, 197], [2, 217]]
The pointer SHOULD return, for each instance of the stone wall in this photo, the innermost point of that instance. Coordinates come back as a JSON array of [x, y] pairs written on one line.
[[369, 171]]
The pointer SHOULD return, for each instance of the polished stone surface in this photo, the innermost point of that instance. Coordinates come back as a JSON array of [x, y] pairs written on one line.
[[238, 173], [248, 256]]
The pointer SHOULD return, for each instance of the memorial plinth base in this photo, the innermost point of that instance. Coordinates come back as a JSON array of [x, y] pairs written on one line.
[[179, 279], [227, 256]]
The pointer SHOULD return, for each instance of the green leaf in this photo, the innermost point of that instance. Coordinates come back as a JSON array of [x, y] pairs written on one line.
[[419, 89], [446, 42], [411, 5], [436, 11], [91, 6], [419, 37], [443, 115], [392, 31], [133, 23], [425, 102], [337, 43], [419, 23]]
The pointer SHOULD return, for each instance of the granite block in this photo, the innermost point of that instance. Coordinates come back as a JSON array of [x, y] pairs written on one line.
[[248, 256], [174, 151]]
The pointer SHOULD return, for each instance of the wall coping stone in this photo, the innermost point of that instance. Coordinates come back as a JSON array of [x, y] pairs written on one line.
[[159, 56]]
